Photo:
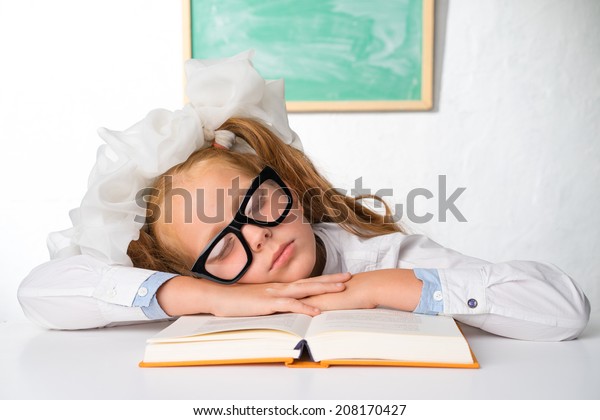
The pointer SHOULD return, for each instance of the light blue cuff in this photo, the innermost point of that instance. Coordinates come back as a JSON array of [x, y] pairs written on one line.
[[146, 295], [432, 299]]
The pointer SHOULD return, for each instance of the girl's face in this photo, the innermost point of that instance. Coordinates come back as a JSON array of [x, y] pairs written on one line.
[[204, 202]]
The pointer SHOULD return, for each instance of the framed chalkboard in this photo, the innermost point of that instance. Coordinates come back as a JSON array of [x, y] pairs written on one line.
[[335, 55]]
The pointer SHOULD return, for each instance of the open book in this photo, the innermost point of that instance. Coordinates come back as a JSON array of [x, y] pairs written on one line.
[[350, 337]]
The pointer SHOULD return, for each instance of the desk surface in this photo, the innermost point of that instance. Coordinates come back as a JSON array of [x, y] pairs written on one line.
[[102, 364]]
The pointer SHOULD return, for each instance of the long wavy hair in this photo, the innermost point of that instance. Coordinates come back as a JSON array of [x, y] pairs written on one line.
[[319, 200]]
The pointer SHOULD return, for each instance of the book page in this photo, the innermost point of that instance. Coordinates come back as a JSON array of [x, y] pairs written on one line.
[[195, 325], [383, 321]]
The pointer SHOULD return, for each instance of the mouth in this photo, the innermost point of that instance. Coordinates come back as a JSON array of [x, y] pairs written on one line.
[[282, 255]]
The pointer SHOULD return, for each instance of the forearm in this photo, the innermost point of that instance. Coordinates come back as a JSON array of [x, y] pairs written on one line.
[[185, 296], [518, 299], [188, 295], [393, 288], [82, 292]]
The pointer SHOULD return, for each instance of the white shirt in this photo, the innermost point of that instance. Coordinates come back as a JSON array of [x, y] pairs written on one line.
[[518, 299]]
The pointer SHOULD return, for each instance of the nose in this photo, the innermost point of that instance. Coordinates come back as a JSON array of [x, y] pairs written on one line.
[[256, 236]]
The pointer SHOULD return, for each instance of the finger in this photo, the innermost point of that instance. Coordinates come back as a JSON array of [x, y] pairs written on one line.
[[326, 302], [302, 290], [328, 278], [296, 306]]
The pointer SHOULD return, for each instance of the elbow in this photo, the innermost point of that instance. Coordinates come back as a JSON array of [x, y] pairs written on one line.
[[54, 313], [30, 296], [50, 308], [45, 310], [34, 304], [571, 306], [548, 305], [575, 311], [30, 306], [581, 312]]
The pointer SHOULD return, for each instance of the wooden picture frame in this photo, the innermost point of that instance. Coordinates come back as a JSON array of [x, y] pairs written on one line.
[[343, 55]]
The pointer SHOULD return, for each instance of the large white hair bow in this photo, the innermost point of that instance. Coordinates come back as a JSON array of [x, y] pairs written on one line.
[[109, 216]]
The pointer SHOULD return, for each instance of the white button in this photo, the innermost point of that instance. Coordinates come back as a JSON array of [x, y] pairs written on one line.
[[438, 295], [142, 291]]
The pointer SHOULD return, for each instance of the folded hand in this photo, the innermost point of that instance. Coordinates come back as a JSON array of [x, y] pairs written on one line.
[[267, 298]]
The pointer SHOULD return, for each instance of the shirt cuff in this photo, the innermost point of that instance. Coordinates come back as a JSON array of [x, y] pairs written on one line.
[[146, 295], [432, 299]]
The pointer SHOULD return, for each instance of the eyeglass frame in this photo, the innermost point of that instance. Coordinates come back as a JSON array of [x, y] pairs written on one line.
[[239, 221]]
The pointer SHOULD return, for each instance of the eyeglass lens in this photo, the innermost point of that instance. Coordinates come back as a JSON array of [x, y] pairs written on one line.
[[228, 257]]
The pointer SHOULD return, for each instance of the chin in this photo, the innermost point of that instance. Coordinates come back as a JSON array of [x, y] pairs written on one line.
[[300, 268], [301, 272], [293, 274]]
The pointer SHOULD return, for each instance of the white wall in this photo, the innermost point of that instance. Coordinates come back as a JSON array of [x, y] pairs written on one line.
[[517, 123]]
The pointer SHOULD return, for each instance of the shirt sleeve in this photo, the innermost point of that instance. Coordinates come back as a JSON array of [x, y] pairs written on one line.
[[518, 299], [80, 292], [146, 295], [431, 302]]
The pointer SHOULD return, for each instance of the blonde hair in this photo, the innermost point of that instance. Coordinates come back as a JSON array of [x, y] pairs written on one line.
[[319, 200]]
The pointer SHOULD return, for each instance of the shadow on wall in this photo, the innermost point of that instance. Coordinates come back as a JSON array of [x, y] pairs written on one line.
[[441, 16]]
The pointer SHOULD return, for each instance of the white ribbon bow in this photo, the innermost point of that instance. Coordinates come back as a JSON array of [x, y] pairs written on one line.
[[112, 212]]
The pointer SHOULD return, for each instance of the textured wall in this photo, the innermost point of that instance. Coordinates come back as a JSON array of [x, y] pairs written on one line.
[[517, 123]]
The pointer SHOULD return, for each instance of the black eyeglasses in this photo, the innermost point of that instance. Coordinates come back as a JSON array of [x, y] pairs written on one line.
[[228, 256]]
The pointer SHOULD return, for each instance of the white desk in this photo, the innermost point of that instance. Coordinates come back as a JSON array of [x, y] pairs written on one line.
[[102, 364]]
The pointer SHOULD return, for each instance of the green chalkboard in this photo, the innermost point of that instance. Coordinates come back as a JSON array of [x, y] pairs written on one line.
[[333, 54]]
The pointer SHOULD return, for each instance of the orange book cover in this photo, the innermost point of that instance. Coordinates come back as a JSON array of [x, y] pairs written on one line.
[[428, 339], [303, 364]]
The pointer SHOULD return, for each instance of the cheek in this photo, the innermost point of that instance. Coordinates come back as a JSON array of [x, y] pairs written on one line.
[[295, 219], [294, 226], [232, 264], [252, 276]]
